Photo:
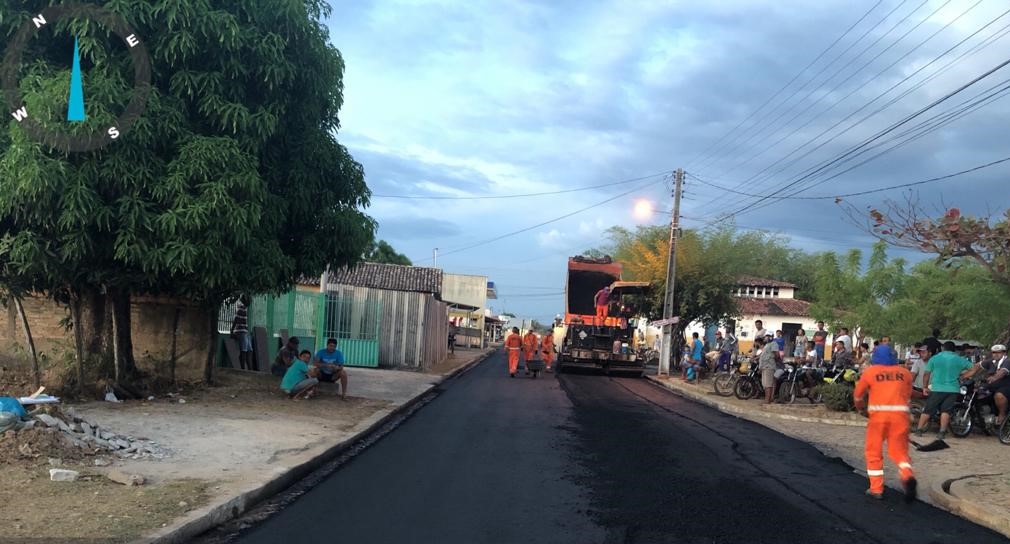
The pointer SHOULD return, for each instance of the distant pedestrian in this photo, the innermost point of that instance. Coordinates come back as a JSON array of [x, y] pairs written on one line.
[[780, 341], [513, 345], [768, 362], [240, 332], [285, 356], [800, 345], [820, 340]]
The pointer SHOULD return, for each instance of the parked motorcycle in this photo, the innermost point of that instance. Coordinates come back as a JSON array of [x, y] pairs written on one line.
[[799, 383], [748, 386], [976, 406], [725, 382]]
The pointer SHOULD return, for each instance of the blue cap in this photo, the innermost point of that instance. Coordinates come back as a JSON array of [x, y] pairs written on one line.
[[883, 355]]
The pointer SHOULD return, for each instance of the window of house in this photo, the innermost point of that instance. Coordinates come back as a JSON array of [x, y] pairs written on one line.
[[775, 291], [750, 291]]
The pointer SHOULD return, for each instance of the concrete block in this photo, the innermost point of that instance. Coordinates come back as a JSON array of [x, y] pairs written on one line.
[[121, 477], [63, 475], [49, 420]]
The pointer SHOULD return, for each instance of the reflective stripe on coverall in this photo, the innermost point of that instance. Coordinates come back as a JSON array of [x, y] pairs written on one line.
[[547, 349], [513, 344], [890, 390]]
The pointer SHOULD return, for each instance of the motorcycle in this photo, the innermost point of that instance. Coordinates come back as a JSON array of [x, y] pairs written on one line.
[[725, 382], [748, 385], [799, 383], [976, 406]]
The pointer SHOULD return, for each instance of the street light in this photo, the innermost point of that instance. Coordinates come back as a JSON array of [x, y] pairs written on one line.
[[643, 210]]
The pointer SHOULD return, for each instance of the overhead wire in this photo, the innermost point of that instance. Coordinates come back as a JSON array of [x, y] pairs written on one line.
[[548, 222], [704, 153], [526, 195], [763, 127], [857, 89], [858, 149], [991, 39]]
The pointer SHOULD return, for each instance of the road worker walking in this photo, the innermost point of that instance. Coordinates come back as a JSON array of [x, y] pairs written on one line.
[[547, 349], [530, 344], [889, 387], [513, 343]]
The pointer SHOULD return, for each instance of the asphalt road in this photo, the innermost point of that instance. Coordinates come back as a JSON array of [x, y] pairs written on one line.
[[592, 459]]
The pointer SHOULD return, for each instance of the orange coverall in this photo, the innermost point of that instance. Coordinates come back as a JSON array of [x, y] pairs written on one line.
[[530, 342], [513, 343], [890, 390], [547, 349]]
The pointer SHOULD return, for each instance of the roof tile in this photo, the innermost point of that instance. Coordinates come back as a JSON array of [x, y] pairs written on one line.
[[392, 277], [773, 306]]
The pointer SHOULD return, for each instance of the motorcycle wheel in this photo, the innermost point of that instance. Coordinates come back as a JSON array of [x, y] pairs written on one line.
[[961, 421], [787, 393], [724, 383], [745, 388], [1004, 431]]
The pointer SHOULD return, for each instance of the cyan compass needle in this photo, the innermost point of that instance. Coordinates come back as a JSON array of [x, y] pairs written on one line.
[[75, 108]]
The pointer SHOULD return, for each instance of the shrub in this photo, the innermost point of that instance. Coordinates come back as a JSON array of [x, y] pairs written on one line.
[[837, 397]]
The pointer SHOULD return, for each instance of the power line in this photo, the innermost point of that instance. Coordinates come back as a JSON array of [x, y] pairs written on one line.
[[859, 148], [495, 197], [993, 38], [762, 127], [867, 192], [548, 222], [704, 153], [857, 89]]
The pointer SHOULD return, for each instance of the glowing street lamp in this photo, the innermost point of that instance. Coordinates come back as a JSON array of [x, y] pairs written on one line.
[[643, 210]]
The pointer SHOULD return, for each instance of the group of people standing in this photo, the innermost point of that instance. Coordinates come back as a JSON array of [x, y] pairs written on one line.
[[529, 345]]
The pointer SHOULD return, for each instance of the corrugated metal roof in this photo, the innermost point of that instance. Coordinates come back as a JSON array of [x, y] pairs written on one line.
[[392, 277]]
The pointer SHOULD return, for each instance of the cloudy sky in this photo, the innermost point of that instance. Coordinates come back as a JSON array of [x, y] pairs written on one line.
[[510, 97]]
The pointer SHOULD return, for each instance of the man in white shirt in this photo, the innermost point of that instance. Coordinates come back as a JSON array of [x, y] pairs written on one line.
[[845, 339], [917, 364]]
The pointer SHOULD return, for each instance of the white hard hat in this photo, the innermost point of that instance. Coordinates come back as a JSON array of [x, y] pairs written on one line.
[[1000, 348]]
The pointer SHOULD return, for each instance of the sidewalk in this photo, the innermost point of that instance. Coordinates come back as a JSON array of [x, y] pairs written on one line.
[[970, 479], [226, 448]]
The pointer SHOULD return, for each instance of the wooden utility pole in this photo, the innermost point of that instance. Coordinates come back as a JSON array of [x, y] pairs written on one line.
[[666, 353]]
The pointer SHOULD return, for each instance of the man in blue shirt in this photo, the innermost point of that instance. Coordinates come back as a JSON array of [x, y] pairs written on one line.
[[330, 362]]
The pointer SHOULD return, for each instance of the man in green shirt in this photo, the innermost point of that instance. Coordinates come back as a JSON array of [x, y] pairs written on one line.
[[298, 380], [941, 385]]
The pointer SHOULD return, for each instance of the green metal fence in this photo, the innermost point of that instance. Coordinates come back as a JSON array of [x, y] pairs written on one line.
[[313, 317]]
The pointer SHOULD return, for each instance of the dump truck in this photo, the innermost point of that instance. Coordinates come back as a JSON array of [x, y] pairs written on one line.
[[610, 346]]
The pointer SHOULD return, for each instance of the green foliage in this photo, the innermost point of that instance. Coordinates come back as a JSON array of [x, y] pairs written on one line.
[[382, 252], [232, 181], [837, 397]]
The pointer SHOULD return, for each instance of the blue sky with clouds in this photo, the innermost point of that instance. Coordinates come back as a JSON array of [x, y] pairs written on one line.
[[493, 98]]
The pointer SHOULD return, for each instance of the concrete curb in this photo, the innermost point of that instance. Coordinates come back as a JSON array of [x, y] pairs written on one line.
[[974, 512], [737, 411], [208, 517]]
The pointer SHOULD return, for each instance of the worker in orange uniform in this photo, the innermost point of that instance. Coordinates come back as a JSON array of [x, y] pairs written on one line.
[[602, 302], [889, 386], [530, 343], [547, 349], [513, 343]]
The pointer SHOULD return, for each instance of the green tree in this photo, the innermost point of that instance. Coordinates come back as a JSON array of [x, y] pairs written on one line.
[[952, 238], [232, 181], [382, 252]]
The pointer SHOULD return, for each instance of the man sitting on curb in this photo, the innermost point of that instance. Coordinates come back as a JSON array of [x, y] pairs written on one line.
[[330, 362], [298, 381]]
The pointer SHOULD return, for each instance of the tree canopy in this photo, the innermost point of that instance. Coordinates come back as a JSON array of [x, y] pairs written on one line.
[[232, 181], [382, 252]]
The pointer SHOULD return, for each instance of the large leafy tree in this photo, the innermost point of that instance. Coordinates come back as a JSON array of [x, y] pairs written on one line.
[[232, 181]]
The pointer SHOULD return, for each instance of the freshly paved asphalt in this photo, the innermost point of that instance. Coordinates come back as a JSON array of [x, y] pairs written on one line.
[[593, 459]]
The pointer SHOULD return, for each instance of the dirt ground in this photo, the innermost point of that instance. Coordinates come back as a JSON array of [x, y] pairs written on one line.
[[454, 361], [92, 509]]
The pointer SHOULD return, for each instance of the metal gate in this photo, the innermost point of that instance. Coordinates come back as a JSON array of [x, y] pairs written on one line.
[[353, 318]]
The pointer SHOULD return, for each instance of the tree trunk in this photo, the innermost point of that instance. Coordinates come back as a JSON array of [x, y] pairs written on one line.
[[208, 369], [1004, 337], [75, 314], [173, 356], [122, 338], [96, 322], [27, 330]]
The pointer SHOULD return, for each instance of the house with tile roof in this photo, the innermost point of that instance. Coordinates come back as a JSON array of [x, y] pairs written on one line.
[[773, 303]]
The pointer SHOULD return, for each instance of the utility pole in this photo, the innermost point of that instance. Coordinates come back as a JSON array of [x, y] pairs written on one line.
[[434, 258], [665, 352]]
